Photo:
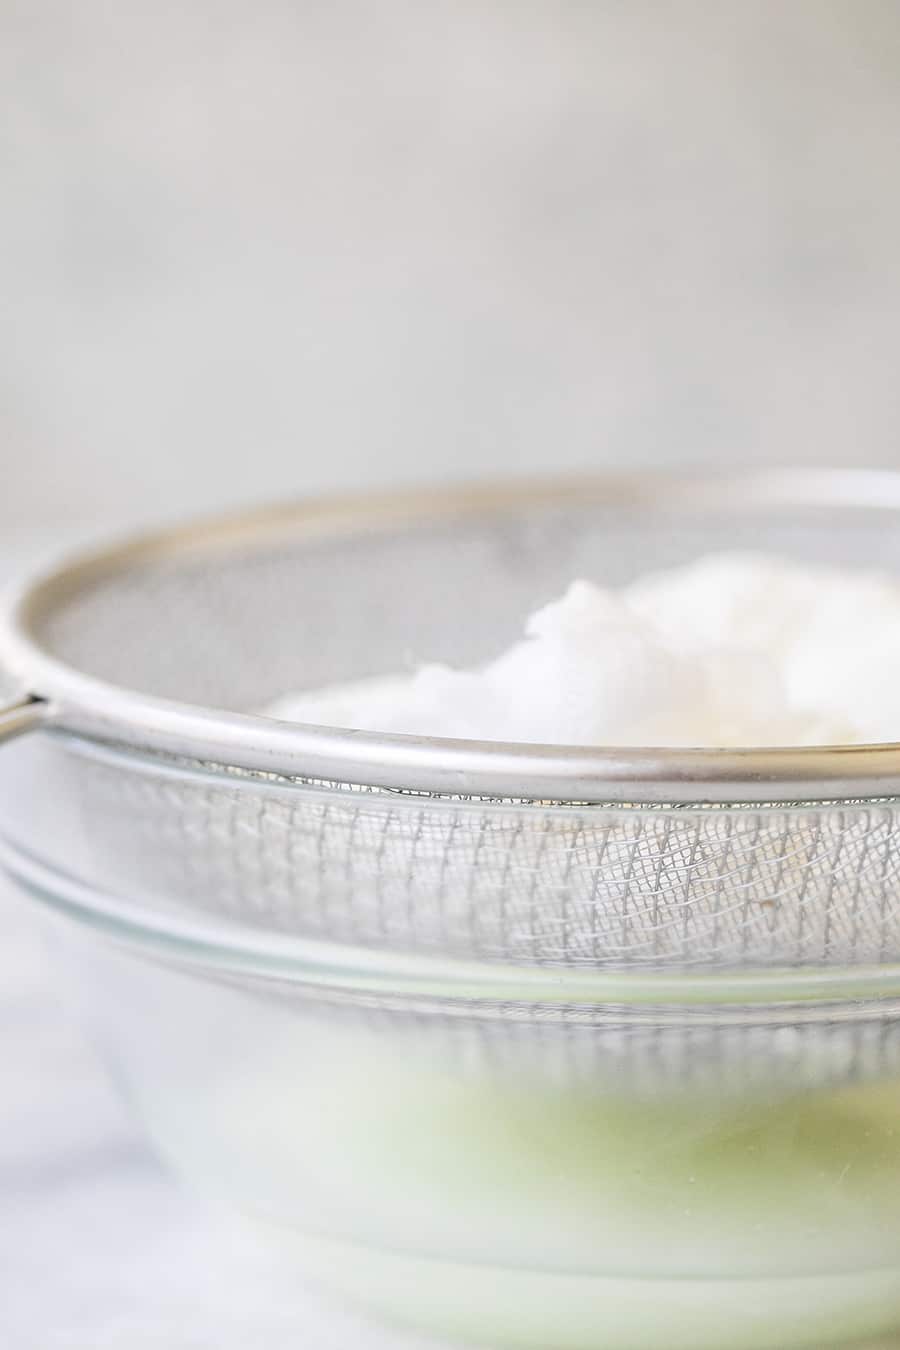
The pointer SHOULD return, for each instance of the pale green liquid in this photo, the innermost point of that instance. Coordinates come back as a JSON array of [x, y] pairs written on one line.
[[484, 1202], [522, 1217]]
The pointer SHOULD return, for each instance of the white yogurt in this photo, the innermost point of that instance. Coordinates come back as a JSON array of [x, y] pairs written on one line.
[[732, 650]]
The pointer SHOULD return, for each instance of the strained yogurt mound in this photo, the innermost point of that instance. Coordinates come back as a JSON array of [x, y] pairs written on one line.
[[736, 649]]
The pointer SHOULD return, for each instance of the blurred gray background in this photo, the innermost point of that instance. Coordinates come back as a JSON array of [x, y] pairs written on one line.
[[248, 250]]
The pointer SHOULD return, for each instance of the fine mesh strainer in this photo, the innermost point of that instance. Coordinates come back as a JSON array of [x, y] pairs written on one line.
[[536, 855], [525, 1045]]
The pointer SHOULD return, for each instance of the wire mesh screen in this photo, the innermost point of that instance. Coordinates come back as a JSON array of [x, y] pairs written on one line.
[[523, 882], [518, 881]]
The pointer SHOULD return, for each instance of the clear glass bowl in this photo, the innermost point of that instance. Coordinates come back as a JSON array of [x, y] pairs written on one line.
[[595, 1048], [516, 1154]]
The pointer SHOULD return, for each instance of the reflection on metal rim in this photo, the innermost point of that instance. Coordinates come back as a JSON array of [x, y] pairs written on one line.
[[95, 708]]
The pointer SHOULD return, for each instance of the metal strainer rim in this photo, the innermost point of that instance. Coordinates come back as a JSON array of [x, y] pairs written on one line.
[[76, 701]]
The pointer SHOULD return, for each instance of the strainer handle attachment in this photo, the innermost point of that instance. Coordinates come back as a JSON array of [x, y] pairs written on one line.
[[21, 714]]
